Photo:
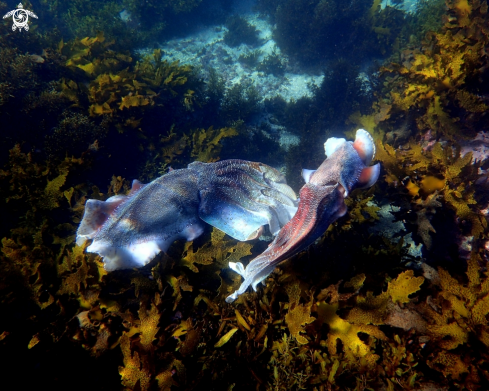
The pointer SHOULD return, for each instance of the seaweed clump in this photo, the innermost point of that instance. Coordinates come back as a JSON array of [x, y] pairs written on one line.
[[314, 31], [356, 318], [272, 64], [206, 143], [120, 90], [445, 77], [240, 31], [240, 102], [129, 23], [250, 59], [429, 17], [171, 330], [118, 84], [432, 99], [72, 133]]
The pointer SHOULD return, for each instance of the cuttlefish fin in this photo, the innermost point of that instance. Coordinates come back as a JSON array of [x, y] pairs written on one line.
[[369, 176], [365, 146], [136, 186], [132, 255], [332, 144], [137, 254], [98, 212]]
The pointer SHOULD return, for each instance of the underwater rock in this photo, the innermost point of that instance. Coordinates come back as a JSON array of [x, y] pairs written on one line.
[[478, 146], [287, 140], [236, 196], [322, 201], [125, 16], [393, 229]]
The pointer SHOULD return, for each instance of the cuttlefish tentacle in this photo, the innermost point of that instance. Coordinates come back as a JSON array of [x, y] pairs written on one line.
[[236, 196], [321, 203]]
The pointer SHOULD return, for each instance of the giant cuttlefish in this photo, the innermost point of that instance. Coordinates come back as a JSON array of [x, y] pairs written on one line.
[[321, 202], [236, 196]]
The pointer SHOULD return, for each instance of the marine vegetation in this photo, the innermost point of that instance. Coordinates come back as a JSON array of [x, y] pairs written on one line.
[[85, 18], [117, 84], [394, 295], [240, 31], [272, 64], [250, 59], [446, 74], [72, 132], [214, 92], [431, 100], [173, 330], [315, 31], [429, 17], [240, 102], [206, 145], [130, 22]]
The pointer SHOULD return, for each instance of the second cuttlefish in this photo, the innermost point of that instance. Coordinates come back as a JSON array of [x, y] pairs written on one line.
[[321, 202]]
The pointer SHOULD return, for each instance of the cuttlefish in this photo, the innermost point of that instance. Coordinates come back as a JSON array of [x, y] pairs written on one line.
[[321, 202], [235, 196]]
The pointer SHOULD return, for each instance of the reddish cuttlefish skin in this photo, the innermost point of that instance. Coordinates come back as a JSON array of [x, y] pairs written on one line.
[[321, 202]]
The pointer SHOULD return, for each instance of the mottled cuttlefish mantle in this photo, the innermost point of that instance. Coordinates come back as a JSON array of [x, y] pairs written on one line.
[[235, 196], [322, 201]]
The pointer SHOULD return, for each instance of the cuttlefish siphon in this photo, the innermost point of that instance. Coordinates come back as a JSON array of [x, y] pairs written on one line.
[[321, 202]]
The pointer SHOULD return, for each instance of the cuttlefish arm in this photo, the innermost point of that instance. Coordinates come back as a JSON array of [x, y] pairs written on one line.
[[236, 196], [321, 202]]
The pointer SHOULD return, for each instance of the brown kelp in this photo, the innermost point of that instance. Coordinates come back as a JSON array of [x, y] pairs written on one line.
[[357, 310]]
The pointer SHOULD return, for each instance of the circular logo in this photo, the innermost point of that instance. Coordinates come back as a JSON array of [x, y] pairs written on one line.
[[20, 18]]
